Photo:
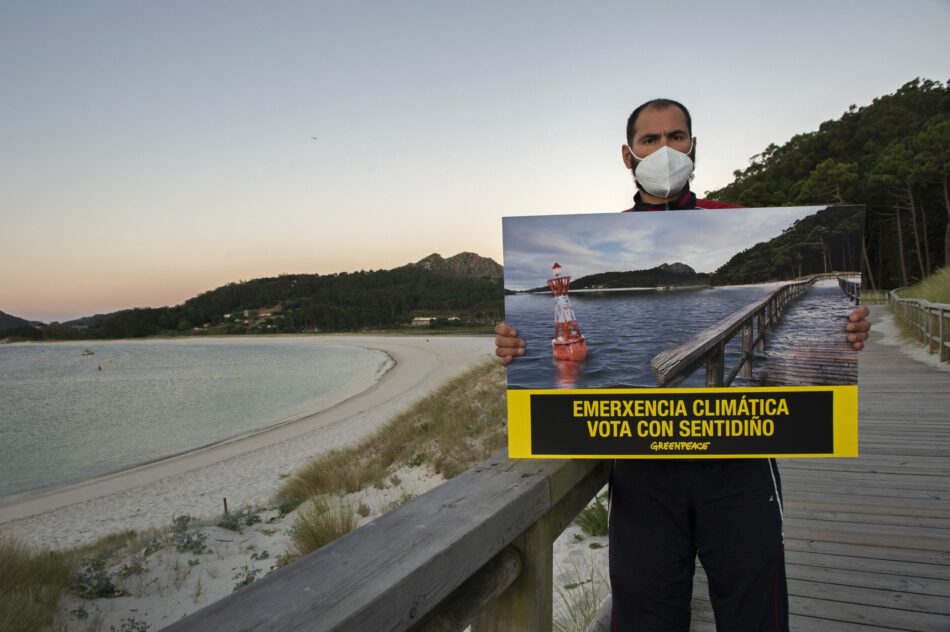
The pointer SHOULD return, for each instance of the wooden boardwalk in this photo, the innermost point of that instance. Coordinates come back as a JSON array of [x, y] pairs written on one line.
[[868, 539], [808, 346]]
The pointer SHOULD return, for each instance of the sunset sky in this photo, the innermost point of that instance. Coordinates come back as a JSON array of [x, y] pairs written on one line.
[[151, 151]]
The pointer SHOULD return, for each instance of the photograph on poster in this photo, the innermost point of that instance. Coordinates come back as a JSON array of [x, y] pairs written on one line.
[[745, 298]]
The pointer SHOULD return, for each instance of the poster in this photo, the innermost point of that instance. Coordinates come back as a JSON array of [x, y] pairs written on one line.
[[686, 334]]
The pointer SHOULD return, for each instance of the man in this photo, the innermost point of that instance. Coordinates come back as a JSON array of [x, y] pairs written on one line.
[[665, 512]]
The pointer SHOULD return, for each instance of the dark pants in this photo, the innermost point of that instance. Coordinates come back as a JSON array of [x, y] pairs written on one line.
[[664, 512]]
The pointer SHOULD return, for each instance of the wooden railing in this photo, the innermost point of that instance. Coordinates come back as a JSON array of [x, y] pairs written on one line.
[[929, 321], [708, 347], [851, 289], [477, 549]]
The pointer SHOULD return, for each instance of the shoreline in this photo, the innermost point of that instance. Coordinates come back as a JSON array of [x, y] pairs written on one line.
[[148, 469], [246, 469]]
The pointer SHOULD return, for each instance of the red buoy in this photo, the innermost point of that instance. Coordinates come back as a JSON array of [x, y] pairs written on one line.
[[568, 343]]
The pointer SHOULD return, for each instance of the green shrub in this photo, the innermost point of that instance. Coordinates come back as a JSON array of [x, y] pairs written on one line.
[[94, 581], [593, 519], [186, 540]]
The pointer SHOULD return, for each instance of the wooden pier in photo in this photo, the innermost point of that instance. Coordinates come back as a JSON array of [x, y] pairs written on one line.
[[810, 346], [772, 329]]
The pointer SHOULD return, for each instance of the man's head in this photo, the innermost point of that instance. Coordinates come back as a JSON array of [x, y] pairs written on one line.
[[655, 124]]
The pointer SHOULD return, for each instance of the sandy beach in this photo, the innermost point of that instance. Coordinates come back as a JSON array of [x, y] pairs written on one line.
[[160, 587], [246, 470]]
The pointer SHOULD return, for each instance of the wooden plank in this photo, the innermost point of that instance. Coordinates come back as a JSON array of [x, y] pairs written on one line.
[[811, 624], [804, 584], [936, 558], [855, 605], [846, 518], [886, 581], [883, 464], [864, 504], [874, 479], [871, 535], [869, 492], [865, 615]]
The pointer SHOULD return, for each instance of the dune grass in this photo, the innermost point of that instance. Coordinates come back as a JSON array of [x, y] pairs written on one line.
[[31, 584], [576, 603], [321, 523], [452, 429], [935, 288]]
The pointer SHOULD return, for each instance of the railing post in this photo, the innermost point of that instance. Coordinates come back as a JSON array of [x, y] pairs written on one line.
[[944, 352], [528, 604], [716, 365], [746, 370], [931, 347], [761, 329]]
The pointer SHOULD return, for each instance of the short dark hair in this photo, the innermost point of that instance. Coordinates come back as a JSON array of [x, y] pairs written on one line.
[[657, 104]]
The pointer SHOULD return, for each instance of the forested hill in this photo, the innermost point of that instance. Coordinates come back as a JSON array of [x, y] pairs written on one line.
[[892, 155], [8, 321], [827, 241], [466, 287]]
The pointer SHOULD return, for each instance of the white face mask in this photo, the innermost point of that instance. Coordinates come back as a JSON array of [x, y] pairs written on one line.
[[664, 172]]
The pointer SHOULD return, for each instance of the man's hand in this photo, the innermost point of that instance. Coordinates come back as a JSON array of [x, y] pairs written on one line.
[[507, 344], [857, 328]]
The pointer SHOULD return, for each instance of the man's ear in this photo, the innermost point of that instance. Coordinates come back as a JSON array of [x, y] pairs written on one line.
[[627, 156]]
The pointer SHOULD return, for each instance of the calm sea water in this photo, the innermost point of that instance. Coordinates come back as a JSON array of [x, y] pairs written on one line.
[[624, 331], [63, 420]]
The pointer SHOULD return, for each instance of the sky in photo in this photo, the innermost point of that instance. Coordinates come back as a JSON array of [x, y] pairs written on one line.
[[152, 151], [618, 242]]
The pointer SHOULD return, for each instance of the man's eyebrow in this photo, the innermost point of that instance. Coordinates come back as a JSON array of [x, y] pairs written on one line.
[[652, 135]]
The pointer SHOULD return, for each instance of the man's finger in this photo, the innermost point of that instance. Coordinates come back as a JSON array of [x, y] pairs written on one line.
[[859, 313], [502, 352], [502, 329], [861, 325], [508, 342]]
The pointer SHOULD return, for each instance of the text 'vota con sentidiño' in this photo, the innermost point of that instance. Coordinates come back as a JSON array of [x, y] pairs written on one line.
[[654, 418]]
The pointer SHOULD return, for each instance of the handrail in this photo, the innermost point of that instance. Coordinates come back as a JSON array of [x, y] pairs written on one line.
[[851, 289], [675, 364], [929, 321], [484, 537]]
